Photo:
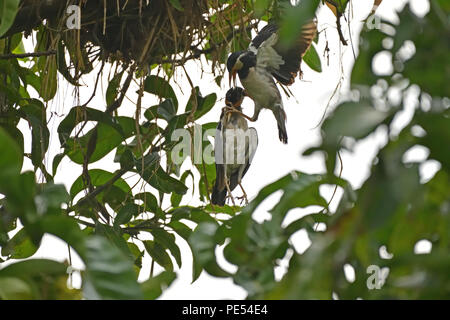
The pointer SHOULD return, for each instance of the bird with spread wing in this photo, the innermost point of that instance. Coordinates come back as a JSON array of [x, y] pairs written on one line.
[[265, 61], [234, 148]]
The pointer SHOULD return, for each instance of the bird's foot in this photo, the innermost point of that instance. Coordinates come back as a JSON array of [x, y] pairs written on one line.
[[230, 195], [232, 110], [242, 199], [244, 195], [232, 200]]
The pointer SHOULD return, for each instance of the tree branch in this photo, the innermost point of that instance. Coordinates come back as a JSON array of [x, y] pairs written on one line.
[[27, 55], [117, 103], [197, 52], [98, 190], [339, 28]]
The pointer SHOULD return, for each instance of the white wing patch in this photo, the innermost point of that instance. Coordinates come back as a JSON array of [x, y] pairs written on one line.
[[266, 56]]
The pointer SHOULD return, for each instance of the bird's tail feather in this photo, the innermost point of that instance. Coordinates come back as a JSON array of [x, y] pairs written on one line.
[[280, 115], [218, 197]]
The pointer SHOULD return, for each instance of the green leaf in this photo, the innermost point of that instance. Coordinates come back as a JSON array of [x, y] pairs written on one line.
[[113, 88], [104, 137], [8, 11], [67, 229], [312, 59], [115, 238], [181, 229], [425, 67], [159, 254], [30, 78], [227, 209], [167, 240], [11, 161], [339, 8], [175, 198], [19, 191], [20, 246], [50, 199], [128, 211], [352, 119], [33, 267], [203, 243], [138, 254], [305, 222], [151, 113], [196, 215], [370, 44], [303, 191], [167, 110], [391, 187], [157, 177], [13, 131], [98, 178], [160, 87], [49, 78], [438, 134], [109, 273], [177, 122], [12, 288], [35, 114], [81, 114], [267, 191], [293, 19], [17, 44], [154, 287], [56, 161], [8, 222], [177, 5], [150, 203], [62, 65], [204, 104], [261, 7]]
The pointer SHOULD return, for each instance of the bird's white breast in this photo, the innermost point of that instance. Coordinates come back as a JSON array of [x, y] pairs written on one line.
[[261, 87]]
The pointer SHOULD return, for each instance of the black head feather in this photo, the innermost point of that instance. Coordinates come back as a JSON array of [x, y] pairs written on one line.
[[232, 60], [248, 60], [234, 96]]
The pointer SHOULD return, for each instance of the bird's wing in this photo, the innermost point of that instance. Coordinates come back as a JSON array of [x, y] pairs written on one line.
[[251, 149], [262, 36], [266, 55], [283, 63], [253, 143], [292, 56], [219, 155]]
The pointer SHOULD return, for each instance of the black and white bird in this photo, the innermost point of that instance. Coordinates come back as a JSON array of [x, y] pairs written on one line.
[[266, 60], [234, 148]]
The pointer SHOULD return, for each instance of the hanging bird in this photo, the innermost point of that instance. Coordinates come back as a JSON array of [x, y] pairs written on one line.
[[264, 60], [234, 148]]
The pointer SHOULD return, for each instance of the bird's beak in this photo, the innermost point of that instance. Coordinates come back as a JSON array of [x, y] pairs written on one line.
[[232, 76]]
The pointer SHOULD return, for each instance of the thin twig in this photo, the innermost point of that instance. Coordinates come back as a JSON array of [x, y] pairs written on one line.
[[339, 29], [335, 188], [198, 52], [117, 103], [27, 55]]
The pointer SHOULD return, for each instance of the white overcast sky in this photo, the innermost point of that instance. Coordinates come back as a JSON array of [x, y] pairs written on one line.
[[272, 159]]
